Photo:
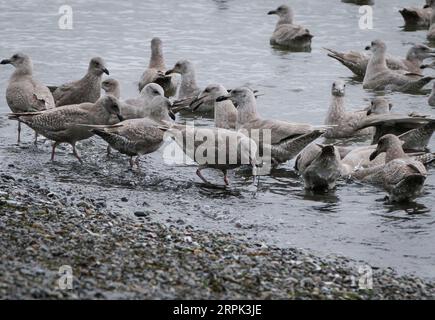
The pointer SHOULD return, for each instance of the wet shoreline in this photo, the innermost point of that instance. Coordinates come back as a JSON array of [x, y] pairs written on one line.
[[116, 256]]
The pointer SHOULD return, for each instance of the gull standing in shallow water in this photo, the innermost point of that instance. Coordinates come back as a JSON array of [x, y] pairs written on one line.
[[155, 73], [287, 139], [379, 77], [288, 34], [24, 93], [136, 137], [63, 124], [87, 89], [215, 148]]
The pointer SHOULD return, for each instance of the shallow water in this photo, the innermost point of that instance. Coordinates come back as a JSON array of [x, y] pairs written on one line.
[[228, 43]]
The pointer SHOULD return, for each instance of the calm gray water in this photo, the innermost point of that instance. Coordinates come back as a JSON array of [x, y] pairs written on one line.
[[228, 43]]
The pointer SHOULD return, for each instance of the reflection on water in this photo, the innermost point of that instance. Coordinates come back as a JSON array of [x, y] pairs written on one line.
[[228, 42]]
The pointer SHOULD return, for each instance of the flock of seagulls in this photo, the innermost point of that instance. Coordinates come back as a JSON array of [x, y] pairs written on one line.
[[395, 159]]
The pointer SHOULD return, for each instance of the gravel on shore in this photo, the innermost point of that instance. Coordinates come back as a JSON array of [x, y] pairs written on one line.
[[130, 257]]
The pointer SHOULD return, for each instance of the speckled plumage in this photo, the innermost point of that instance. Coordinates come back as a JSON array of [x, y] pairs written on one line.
[[87, 89], [286, 139], [288, 34], [379, 77], [401, 176], [64, 124], [24, 93], [346, 123], [357, 61]]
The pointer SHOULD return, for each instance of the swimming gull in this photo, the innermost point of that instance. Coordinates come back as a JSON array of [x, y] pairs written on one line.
[[288, 34], [417, 17], [324, 170], [401, 176], [24, 93], [346, 122], [87, 89], [357, 61], [63, 124], [379, 77]]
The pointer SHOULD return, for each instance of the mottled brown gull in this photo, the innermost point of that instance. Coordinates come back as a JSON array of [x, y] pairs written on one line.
[[136, 137], [287, 139], [379, 77], [401, 176], [188, 87], [24, 93], [87, 89], [357, 61], [155, 73], [288, 34], [63, 124], [417, 17], [346, 123]]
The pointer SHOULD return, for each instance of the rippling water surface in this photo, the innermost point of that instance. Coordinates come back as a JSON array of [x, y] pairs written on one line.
[[228, 43]]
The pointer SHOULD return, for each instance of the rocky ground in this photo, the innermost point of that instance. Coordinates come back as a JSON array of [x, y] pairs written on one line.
[[119, 257]]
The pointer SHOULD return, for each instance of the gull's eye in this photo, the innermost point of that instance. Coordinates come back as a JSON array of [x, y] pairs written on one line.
[[15, 56], [155, 92]]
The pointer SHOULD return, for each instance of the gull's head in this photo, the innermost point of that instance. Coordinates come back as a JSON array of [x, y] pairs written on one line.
[[281, 11], [97, 66], [384, 143], [429, 4], [238, 96], [377, 46], [17, 60], [181, 67], [152, 90], [338, 88], [379, 105], [421, 52], [156, 45], [110, 85], [111, 104], [160, 108]]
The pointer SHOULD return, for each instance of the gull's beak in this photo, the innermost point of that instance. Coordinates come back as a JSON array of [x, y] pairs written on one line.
[[272, 12], [171, 114], [426, 6], [106, 71], [368, 47], [5, 61], [374, 155], [169, 71], [390, 106], [423, 66], [120, 117], [223, 98], [369, 112]]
